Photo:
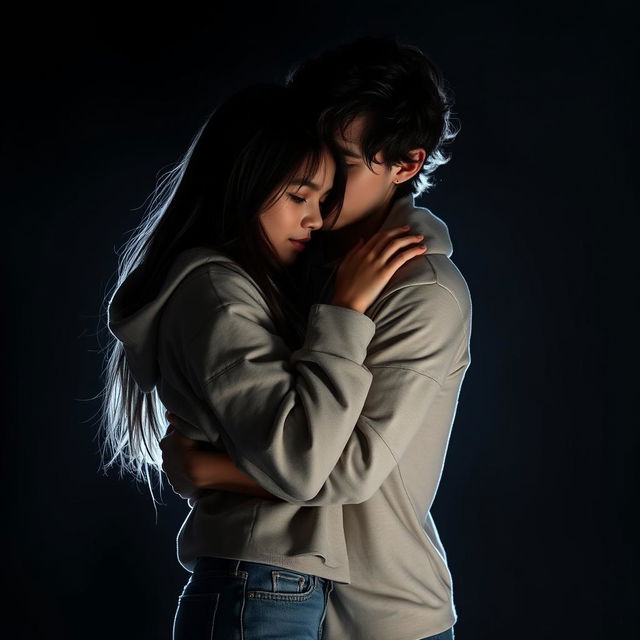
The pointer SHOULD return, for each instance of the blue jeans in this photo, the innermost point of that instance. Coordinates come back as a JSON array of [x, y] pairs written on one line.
[[239, 600]]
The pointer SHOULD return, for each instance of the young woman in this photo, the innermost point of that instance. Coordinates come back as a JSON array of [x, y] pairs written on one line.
[[209, 318]]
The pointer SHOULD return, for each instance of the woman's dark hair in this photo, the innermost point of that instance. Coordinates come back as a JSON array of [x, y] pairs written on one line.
[[398, 89], [240, 162]]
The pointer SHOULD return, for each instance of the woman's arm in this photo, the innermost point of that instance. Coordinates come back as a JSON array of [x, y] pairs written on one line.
[[424, 335], [218, 471], [271, 405]]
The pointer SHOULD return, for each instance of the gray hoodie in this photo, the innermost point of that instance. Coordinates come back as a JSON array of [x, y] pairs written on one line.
[[207, 343], [354, 425]]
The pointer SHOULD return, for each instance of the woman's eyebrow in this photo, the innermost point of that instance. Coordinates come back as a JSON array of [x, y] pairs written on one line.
[[308, 183]]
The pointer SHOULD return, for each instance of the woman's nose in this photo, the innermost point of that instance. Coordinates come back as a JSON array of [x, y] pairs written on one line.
[[316, 219]]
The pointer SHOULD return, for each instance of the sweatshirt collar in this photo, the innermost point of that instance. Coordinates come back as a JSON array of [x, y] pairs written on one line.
[[420, 220]]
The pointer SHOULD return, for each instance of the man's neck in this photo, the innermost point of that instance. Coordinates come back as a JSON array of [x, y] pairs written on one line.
[[343, 239]]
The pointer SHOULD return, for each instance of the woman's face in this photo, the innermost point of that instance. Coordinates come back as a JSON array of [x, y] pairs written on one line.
[[298, 211]]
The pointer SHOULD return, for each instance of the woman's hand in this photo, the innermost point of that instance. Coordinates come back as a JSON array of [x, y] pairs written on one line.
[[368, 266]]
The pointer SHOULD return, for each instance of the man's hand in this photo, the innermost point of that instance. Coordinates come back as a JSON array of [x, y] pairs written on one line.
[[177, 453], [193, 471]]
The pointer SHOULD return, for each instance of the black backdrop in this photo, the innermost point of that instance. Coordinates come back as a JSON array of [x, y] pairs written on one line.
[[539, 198]]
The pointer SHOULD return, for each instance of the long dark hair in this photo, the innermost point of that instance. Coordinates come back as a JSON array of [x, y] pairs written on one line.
[[241, 160]]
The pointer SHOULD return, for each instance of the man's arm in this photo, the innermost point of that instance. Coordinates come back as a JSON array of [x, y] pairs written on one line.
[[420, 334], [218, 471], [191, 470]]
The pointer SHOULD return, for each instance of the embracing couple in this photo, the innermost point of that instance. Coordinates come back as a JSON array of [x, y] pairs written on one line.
[[304, 328]]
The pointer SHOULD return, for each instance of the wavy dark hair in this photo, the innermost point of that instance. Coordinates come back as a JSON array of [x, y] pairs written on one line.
[[401, 92], [241, 161]]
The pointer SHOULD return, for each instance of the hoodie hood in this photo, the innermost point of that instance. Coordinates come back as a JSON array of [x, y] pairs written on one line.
[[420, 220], [137, 327]]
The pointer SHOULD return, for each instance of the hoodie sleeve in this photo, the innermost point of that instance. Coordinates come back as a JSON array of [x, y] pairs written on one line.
[[421, 335], [285, 417]]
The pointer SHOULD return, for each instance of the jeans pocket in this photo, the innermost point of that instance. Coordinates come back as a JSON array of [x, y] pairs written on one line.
[[282, 584], [195, 616], [287, 581]]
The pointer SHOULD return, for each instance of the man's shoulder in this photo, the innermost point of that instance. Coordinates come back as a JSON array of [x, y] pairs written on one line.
[[424, 280]]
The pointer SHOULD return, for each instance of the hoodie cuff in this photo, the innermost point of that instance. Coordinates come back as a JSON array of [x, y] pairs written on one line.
[[339, 331]]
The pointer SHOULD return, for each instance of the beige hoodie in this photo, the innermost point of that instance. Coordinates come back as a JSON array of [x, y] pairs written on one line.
[[287, 419]]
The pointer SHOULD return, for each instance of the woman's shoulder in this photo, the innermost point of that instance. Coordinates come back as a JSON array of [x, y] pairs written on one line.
[[210, 295], [211, 278]]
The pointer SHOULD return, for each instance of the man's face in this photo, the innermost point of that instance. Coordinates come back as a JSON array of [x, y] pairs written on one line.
[[366, 190]]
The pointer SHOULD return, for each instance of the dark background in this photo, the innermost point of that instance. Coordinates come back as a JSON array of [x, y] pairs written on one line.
[[534, 507]]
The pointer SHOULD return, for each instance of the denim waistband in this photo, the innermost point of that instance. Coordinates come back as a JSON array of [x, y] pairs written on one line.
[[233, 565], [208, 562]]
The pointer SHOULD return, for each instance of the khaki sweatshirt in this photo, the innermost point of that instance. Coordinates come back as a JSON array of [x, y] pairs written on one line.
[[388, 474]]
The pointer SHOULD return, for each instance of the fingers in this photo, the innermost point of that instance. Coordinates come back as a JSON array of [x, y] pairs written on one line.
[[180, 484], [405, 256], [183, 492], [168, 439], [171, 430], [396, 244], [379, 240]]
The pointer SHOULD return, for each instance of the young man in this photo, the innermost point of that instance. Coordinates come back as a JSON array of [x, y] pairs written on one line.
[[386, 106]]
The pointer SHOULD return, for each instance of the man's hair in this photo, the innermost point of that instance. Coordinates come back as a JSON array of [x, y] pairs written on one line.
[[398, 89]]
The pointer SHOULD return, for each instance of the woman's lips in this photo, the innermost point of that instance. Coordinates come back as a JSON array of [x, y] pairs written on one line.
[[298, 246]]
